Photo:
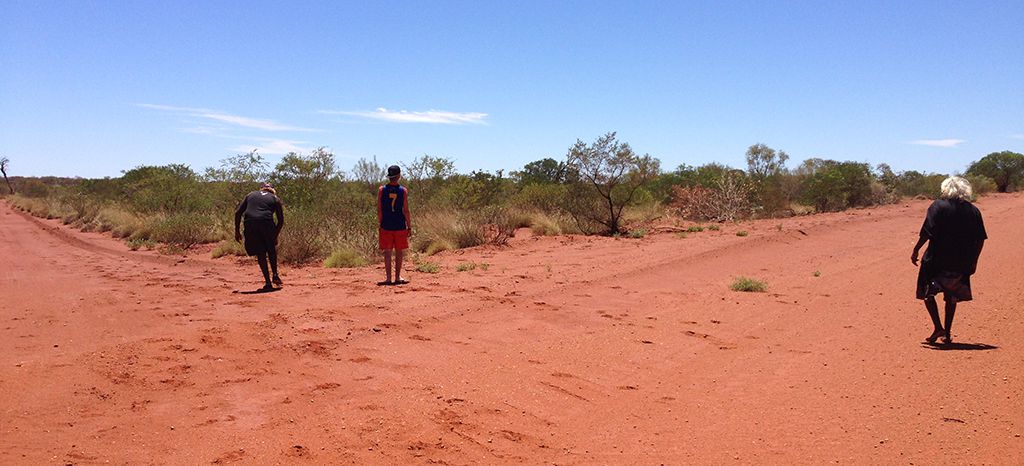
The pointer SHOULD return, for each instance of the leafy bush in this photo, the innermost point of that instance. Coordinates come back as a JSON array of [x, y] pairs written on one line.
[[185, 230], [832, 186], [303, 237], [345, 258], [742, 233], [168, 189], [981, 185], [1004, 168], [748, 285], [465, 266]]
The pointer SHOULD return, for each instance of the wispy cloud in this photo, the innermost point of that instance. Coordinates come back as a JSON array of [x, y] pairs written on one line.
[[939, 142], [1017, 136], [405, 116], [274, 146], [245, 122]]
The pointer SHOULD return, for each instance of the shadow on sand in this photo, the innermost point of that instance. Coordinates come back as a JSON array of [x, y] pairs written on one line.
[[259, 291], [956, 346]]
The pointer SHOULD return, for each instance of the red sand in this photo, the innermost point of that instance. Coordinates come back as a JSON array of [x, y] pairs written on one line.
[[566, 350]]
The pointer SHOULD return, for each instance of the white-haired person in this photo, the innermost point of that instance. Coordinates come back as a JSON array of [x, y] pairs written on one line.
[[259, 208], [955, 234]]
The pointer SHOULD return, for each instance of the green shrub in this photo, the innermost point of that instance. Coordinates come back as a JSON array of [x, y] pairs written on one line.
[[184, 230], [695, 229], [228, 247], [748, 285], [136, 244], [465, 266], [303, 237], [428, 267], [714, 228], [638, 233], [742, 233], [832, 186], [344, 259], [547, 198], [981, 185]]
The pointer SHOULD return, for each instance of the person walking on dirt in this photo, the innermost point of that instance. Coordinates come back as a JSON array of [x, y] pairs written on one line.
[[955, 234], [395, 225], [258, 208]]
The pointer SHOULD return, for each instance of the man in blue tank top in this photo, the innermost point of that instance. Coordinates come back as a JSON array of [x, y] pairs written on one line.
[[395, 226]]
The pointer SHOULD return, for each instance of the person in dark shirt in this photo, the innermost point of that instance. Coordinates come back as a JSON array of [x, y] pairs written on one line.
[[955, 234], [395, 224], [259, 208]]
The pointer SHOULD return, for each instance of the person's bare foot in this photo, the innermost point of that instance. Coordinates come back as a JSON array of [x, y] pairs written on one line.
[[947, 339], [934, 336]]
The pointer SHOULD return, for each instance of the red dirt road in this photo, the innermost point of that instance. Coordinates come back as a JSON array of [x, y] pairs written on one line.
[[566, 350]]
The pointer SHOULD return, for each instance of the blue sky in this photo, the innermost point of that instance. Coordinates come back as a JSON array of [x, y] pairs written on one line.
[[93, 88]]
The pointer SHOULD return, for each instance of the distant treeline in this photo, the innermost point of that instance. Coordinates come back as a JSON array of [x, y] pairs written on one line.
[[601, 187]]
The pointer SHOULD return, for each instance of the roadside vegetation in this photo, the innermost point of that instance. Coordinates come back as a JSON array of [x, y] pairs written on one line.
[[602, 187]]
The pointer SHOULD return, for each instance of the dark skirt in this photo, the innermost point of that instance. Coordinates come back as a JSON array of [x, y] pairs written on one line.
[[260, 237], [931, 282]]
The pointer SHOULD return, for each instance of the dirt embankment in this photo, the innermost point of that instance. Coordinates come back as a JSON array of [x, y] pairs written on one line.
[[566, 350]]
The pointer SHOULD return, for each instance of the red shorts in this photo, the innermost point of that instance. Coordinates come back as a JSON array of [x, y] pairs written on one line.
[[394, 239]]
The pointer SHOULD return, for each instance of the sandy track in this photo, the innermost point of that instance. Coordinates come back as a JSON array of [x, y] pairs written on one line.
[[564, 350]]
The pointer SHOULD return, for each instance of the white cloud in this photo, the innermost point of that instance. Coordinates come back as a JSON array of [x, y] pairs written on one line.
[[939, 142], [274, 146], [405, 116], [245, 122]]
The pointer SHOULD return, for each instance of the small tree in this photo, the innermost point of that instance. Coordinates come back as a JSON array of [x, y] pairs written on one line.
[[242, 168], [368, 172], [303, 180], [4, 161], [544, 171], [610, 174], [767, 168], [1005, 168]]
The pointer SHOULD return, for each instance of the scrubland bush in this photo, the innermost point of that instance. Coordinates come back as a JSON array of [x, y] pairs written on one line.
[[727, 200], [1005, 169], [185, 230], [303, 238], [831, 186], [542, 224], [345, 258], [443, 231], [981, 185], [748, 285], [228, 247], [601, 187]]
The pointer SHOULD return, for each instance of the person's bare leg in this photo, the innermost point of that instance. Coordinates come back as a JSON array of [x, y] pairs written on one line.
[[399, 253], [950, 312], [261, 259], [933, 312], [272, 256], [387, 264]]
